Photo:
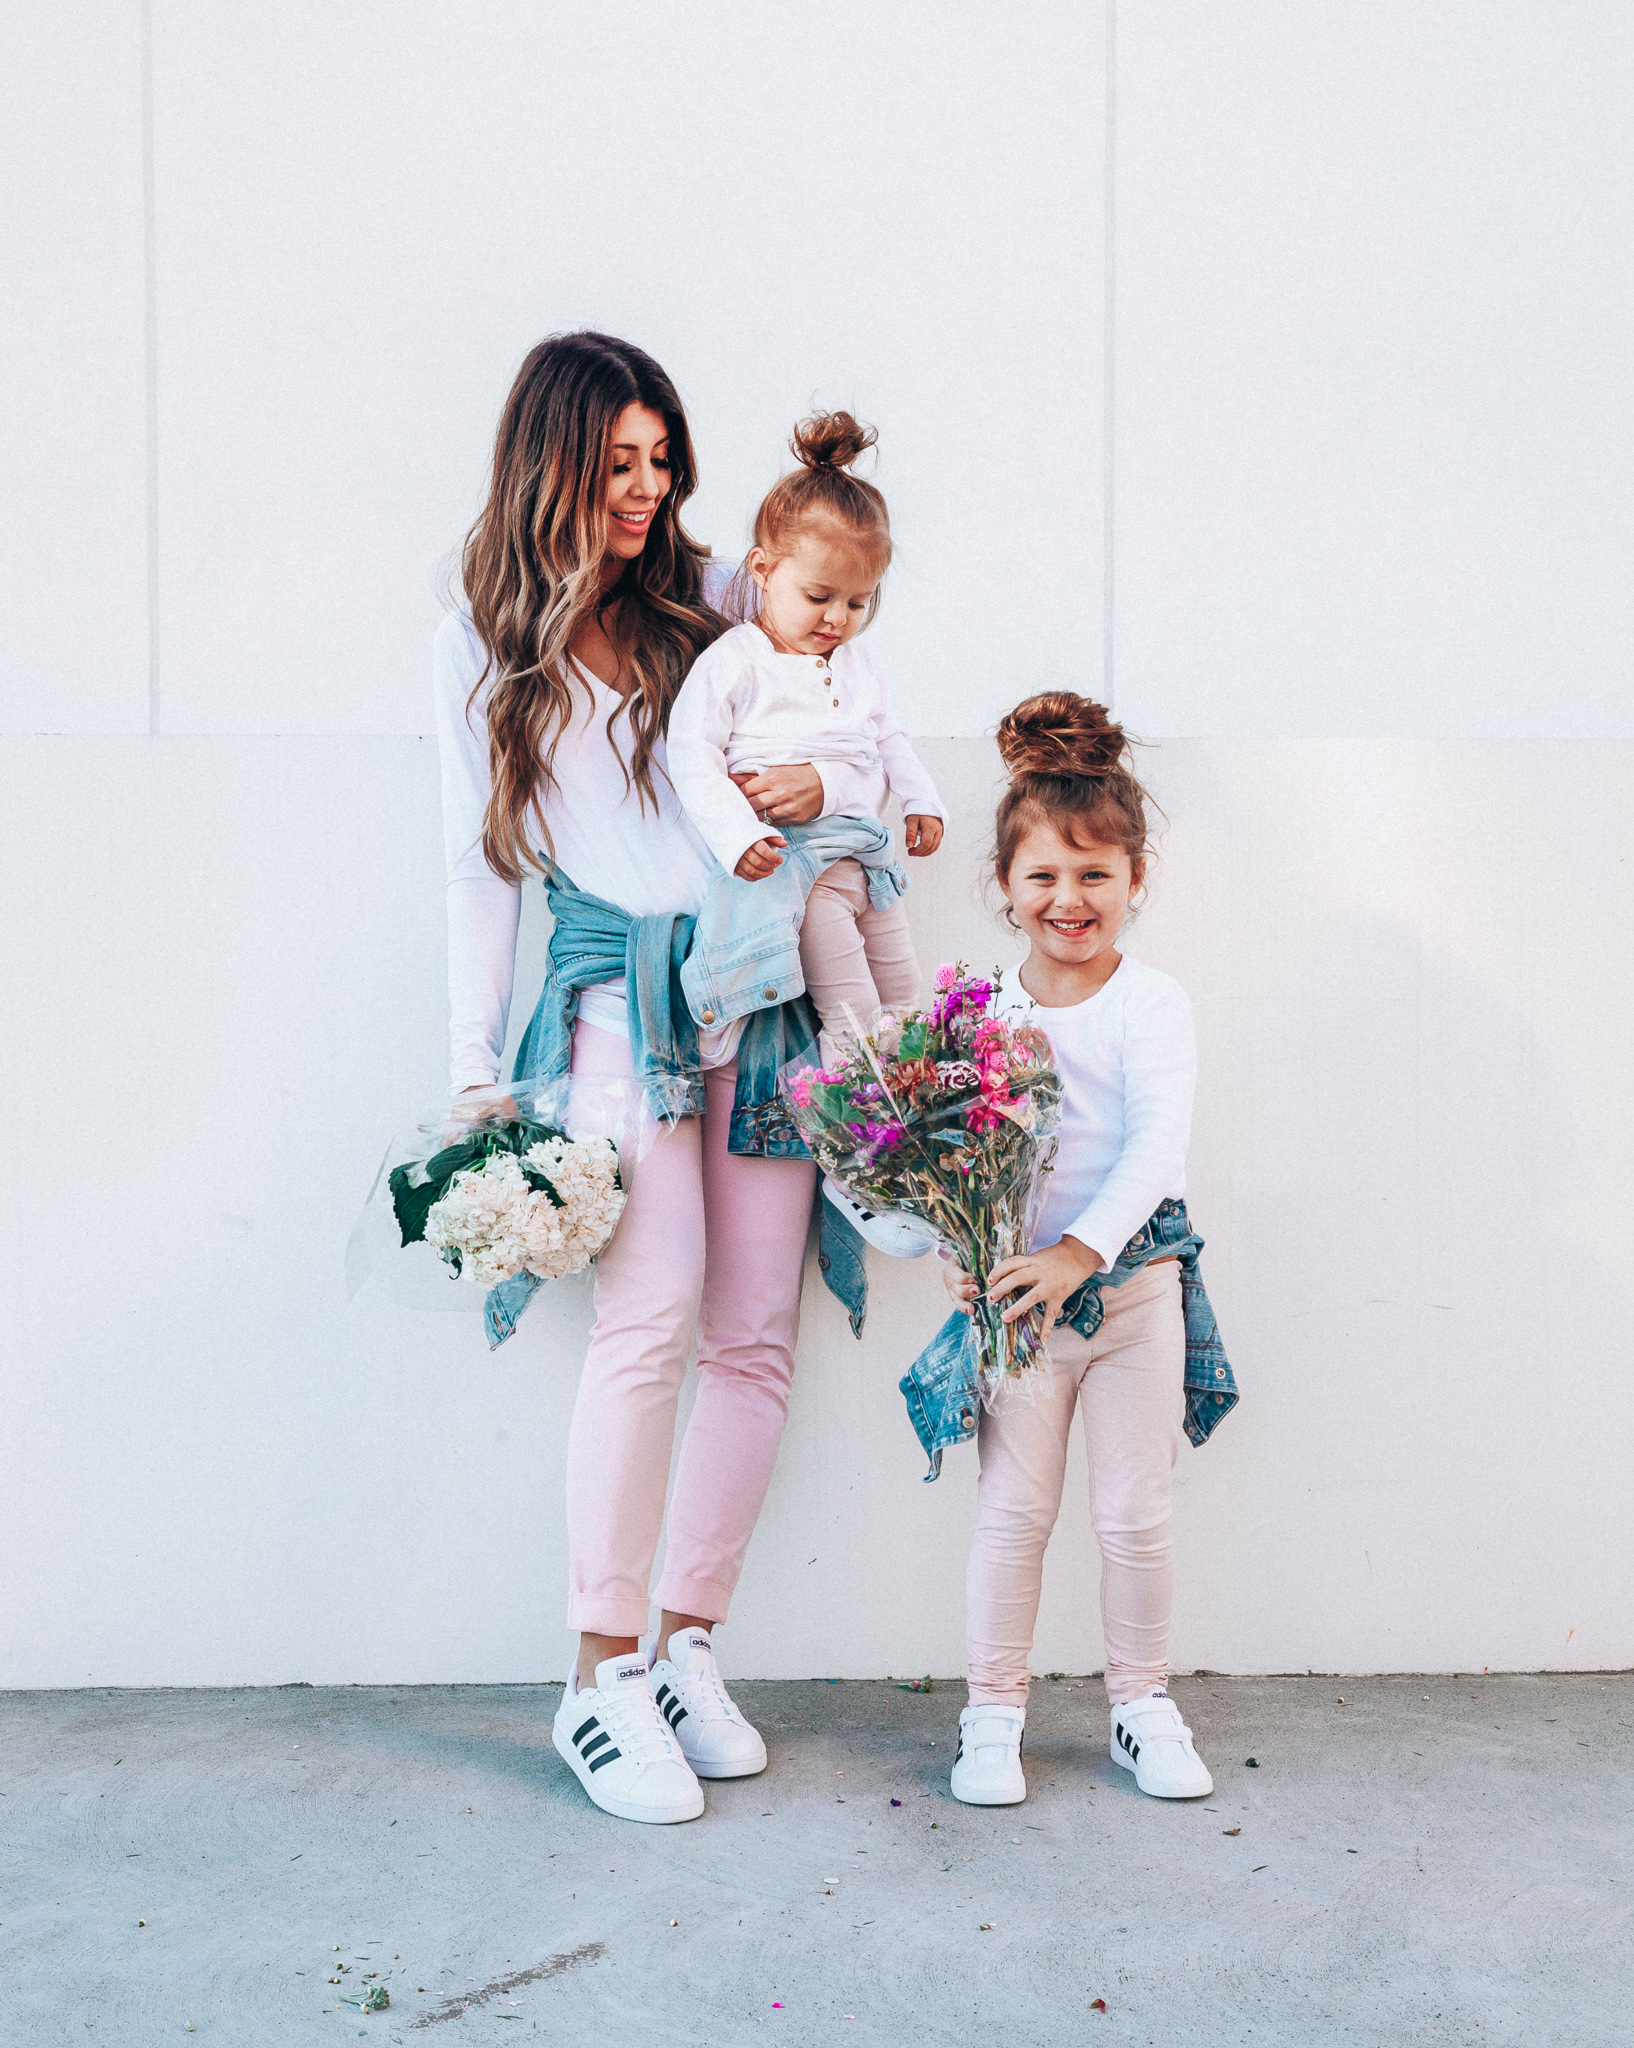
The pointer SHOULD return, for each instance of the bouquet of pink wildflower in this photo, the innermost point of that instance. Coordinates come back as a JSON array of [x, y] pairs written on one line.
[[950, 1116]]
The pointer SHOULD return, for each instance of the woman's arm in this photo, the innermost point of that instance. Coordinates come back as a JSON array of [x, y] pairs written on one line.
[[483, 910]]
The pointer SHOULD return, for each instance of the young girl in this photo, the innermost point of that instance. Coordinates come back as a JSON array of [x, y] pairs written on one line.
[[1070, 856], [793, 684]]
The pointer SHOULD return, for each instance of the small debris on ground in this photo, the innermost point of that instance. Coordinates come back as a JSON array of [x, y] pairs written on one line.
[[367, 1998], [925, 1684], [1097, 2005], [1231, 1831], [1252, 1764]]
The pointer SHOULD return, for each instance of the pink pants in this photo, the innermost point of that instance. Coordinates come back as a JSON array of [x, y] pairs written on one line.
[[701, 1230], [1129, 1379], [852, 953]]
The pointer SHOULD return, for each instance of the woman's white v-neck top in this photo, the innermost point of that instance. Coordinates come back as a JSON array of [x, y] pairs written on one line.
[[647, 858], [1128, 1064]]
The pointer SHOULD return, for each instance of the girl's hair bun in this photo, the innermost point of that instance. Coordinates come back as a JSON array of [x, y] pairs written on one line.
[[1058, 733], [831, 440]]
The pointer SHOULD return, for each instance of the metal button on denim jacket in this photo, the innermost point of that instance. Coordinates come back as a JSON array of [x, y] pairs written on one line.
[[940, 1386]]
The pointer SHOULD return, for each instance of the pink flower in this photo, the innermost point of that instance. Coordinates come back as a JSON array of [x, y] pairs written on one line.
[[947, 976]]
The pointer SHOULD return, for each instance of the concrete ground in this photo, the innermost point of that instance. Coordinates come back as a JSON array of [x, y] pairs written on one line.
[[1411, 1861]]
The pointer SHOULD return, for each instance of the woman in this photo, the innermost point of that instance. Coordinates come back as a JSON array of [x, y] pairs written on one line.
[[586, 603]]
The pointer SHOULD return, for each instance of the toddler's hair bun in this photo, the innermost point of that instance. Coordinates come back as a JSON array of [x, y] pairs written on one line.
[[1059, 733], [831, 440]]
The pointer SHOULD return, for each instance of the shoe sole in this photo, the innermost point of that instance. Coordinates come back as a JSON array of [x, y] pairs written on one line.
[[709, 1770], [623, 1809], [987, 1799], [1133, 1769]]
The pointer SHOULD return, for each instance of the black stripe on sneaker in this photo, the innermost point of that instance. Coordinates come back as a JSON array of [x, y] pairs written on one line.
[[588, 1749], [606, 1757], [580, 1733]]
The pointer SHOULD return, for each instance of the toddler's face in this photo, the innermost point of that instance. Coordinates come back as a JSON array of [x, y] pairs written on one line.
[[816, 598], [1070, 901]]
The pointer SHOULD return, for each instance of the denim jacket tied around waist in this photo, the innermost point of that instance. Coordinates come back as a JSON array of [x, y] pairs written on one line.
[[940, 1387], [595, 941]]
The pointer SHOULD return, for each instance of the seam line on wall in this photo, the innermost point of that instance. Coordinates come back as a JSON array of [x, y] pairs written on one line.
[[1109, 361], [150, 351]]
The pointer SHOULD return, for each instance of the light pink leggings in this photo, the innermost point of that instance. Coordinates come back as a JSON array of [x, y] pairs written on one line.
[[700, 1227], [1130, 1382], [852, 953]]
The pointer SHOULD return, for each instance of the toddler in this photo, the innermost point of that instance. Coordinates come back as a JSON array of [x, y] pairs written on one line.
[[793, 685]]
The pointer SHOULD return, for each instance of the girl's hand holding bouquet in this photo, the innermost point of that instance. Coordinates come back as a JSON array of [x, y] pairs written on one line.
[[1049, 1277], [948, 1115]]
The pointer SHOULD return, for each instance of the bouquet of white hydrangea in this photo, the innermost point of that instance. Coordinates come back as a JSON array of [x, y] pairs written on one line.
[[511, 1194]]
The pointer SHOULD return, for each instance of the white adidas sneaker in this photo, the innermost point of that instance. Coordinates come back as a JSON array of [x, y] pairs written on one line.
[[987, 1769], [1150, 1738], [899, 1237], [715, 1738], [619, 1747]]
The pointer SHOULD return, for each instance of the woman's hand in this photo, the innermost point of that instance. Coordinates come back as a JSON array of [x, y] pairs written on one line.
[[1048, 1276], [790, 795], [922, 833], [959, 1284], [756, 862]]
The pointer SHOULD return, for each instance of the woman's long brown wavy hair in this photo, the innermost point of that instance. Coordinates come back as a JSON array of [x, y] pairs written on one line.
[[532, 572]]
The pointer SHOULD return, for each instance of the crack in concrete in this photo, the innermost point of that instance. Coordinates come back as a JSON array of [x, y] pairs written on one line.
[[552, 1966]]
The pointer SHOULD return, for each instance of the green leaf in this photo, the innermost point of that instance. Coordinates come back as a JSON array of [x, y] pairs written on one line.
[[412, 1205], [913, 1040]]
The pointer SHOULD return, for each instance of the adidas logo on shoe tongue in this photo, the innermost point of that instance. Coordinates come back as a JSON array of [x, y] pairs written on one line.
[[699, 1643], [626, 1672]]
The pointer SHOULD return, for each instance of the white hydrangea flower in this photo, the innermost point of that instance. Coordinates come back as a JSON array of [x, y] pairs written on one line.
[[478, 1218], [584, 1172], [500, 1225]]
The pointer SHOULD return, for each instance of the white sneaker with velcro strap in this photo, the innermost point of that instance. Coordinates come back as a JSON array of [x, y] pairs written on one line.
[[621, 1749], [1150, 1738], [715, 1738], [987, 1769]]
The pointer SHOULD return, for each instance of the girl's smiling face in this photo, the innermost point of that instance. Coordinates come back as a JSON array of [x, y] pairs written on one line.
[[815, 598], [1070, 901]]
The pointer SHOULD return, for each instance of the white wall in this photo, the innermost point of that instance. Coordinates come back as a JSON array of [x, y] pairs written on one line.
[[1369, 489]]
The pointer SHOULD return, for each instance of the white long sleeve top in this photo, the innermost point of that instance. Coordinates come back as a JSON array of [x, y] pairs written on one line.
[[1128, 1064], [648, 861], [746, 706]]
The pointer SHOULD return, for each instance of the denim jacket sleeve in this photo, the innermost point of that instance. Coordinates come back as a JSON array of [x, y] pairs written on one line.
[[745, 952]]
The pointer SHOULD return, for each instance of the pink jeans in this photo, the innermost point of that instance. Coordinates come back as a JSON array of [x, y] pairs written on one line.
[[852, 953], [1129, 1379], [701, 1230]]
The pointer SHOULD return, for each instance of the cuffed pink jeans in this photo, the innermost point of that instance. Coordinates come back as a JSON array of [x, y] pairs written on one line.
[[1129, 1380], [712, 1244]]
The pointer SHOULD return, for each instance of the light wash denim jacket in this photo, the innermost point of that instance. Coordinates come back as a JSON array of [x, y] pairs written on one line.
[[940, 1385], [746, 947], [595, 941]]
